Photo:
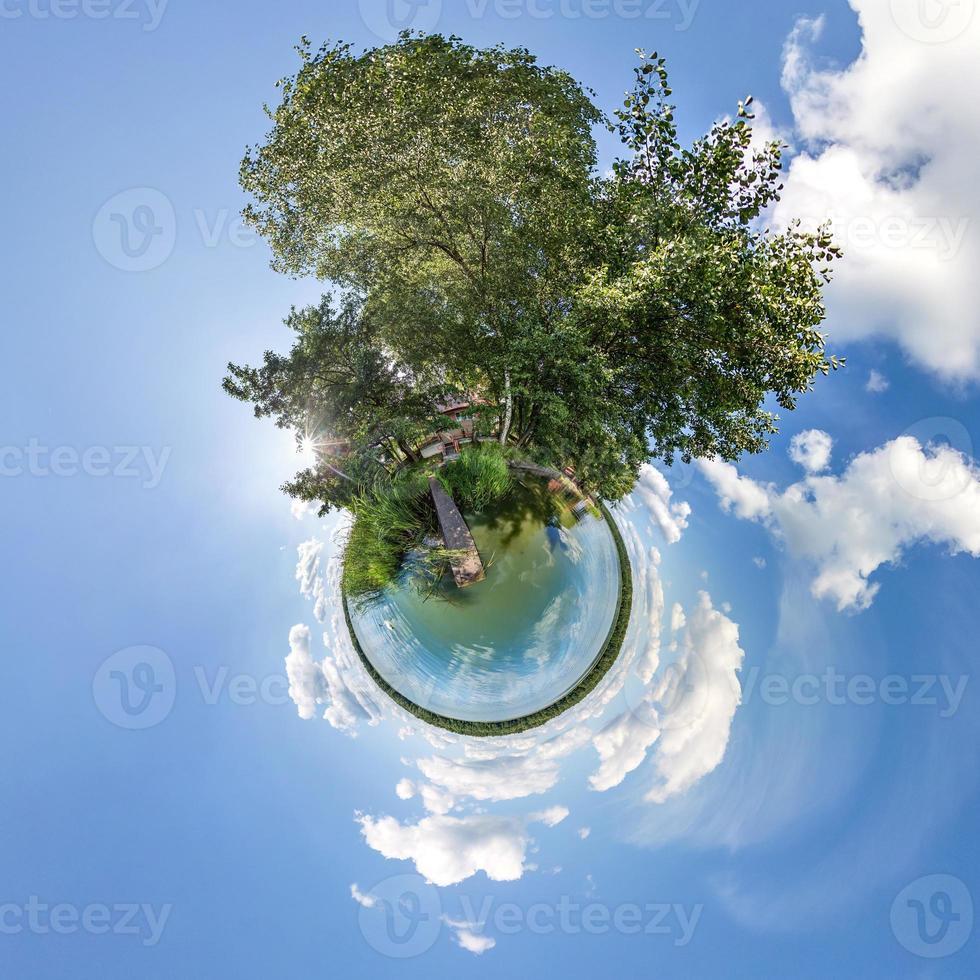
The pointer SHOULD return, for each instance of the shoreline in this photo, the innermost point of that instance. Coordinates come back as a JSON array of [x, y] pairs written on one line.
[[605, 658]]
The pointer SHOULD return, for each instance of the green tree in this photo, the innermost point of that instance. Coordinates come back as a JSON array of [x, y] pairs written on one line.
[[700, 313], [449, 185], [609, 319], [363, 411]]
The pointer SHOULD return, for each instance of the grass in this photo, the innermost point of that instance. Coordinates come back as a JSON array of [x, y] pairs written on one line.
[[389, 521], [393, 519], [479, 478]]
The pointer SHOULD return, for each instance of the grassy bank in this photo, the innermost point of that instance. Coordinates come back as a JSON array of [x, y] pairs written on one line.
[[480, 478], [394, 518]]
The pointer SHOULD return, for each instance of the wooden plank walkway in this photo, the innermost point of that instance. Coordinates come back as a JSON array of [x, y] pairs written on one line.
[[467, 569]]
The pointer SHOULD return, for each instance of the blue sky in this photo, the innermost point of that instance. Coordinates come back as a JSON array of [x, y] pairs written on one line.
[[230, 832]]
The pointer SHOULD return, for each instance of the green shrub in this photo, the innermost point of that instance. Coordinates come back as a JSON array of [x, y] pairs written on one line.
[[395, 516], [479, 478], [389, 520]]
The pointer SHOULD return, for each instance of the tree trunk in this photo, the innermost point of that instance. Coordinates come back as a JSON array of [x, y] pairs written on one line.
[[527, 433], [410, 455], [508, 410]]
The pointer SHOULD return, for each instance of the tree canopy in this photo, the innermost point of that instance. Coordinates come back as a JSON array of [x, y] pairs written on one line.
[[452, 195]]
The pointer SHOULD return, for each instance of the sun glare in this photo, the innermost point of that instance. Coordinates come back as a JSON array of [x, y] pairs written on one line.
[[307, 452]]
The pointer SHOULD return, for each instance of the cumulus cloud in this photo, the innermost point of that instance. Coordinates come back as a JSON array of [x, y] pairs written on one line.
[[811, 449], [643, 638], [685, 716], [699, 699], [315, 684], [308, 575], [848, 526], [307, 685], [505, 769], [737, 494], [503, 777], [677, 618], [301, 509], [655, 493], [622, 745], [345, 707], [447, 850], [889, 150], [436, 799]]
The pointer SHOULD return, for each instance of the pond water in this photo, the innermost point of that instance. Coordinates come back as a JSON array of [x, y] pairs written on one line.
[[515, 643]]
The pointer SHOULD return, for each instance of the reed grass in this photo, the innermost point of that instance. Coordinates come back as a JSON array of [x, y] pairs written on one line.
[[394, 517], [389, 520], [479, 478]]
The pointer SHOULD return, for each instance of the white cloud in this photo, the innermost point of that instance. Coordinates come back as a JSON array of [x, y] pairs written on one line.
[[503, 772], [313, 684], [685, 717], [307, 686], [890, 149], [309, 577], [345, 707], [368, 901], [699, 701], [405, 789], [622, 745], [506, 777], [648, 616], [436, 799], [468, 938], [584, 832], [811, 449], [448, 850], [877, 383], [654, 491], [738, 494], [550, 817], [301, 509], [677, 619], [886, 501]]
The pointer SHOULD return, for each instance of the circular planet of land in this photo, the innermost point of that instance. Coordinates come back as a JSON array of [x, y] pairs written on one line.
[[521, 646]]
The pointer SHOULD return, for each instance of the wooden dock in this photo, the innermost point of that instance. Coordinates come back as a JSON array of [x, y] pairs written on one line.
[[468, 568]]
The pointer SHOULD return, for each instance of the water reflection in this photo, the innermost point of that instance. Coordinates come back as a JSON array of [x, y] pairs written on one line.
[[515, 643]]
